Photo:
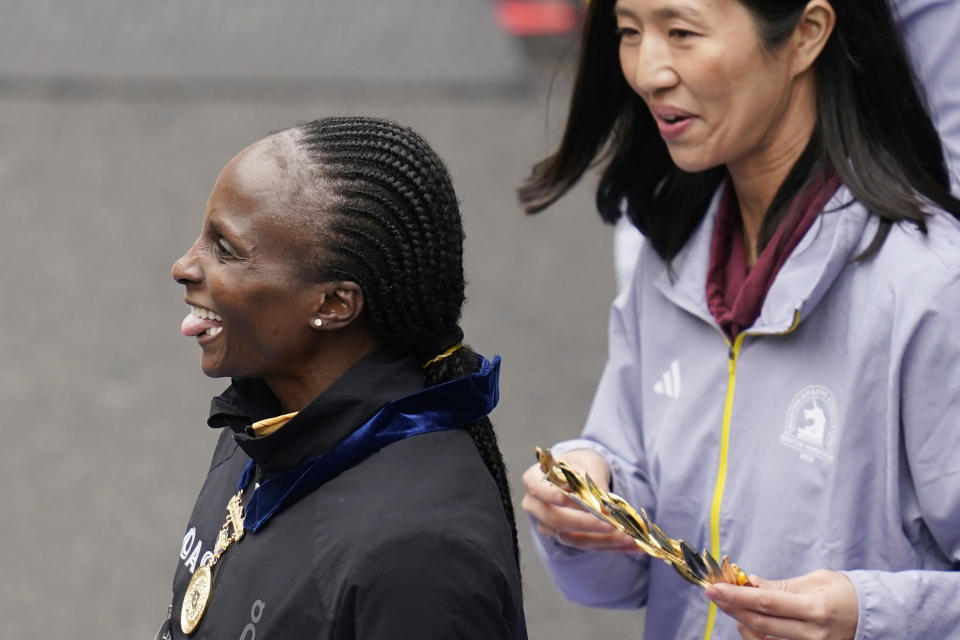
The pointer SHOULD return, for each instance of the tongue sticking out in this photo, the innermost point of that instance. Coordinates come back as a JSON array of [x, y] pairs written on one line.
[[194, 326]]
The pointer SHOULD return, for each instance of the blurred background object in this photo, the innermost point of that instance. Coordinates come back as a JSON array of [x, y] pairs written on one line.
[[202, 46], [528, 18], [115, 118]]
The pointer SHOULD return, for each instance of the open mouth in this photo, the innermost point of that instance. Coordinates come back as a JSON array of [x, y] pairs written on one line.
[[672, 122], [201, 322]]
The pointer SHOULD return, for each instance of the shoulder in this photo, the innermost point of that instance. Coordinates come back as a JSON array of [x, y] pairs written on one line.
[[925, 259], [913, 273], [426, 544], [432, 486], [941, 240], [432, 482], [911, 14]]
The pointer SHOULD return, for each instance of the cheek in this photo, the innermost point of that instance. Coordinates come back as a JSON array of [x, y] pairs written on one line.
[[714, 89], [720, 74], [278, 333], [730, 106], [756, 106]]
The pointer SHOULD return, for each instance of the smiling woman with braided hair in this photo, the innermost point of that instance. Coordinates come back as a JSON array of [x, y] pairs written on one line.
[[357, 489]]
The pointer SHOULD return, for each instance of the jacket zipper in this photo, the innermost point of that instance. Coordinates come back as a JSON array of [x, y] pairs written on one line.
[[734, 355]]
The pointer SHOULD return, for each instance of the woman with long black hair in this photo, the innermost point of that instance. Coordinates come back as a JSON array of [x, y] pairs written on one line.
[[781, 383], [357, 489], [930, 29]]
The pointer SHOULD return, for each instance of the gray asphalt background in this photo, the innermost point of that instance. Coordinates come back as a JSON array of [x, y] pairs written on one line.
[[115, 119]]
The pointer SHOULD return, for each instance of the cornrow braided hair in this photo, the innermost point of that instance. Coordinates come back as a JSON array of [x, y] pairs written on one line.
[[393, 226]]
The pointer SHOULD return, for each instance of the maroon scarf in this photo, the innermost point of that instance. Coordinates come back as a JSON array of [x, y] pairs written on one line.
[[735, 291]]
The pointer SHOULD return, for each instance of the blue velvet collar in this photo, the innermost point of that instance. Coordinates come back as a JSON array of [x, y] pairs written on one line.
[[449, 405], [350, 401]]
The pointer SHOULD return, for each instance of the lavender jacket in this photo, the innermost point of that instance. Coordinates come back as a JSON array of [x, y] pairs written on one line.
[[826, 436], [931, 29]]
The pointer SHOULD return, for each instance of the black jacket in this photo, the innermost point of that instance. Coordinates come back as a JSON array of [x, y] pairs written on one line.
[[411, 542]]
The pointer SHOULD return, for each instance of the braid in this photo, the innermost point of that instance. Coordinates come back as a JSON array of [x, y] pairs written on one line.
[[460, 363], [393, 226]]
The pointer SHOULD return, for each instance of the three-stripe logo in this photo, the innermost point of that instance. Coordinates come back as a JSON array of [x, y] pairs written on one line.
[[669, 384]]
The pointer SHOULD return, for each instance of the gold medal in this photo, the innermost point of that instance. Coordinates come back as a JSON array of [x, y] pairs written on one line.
[[197, 596], [195, 599]]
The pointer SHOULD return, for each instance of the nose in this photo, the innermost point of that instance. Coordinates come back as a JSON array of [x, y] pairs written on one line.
[[653, 67], [187, 269]]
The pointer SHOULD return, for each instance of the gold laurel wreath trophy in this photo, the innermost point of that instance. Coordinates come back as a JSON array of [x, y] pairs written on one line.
[[698, 567]]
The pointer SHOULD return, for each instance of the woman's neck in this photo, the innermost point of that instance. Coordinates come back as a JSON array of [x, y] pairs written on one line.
[[757, 178], [297, 387]]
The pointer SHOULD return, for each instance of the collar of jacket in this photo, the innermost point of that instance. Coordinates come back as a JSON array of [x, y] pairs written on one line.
[[840, 232], [349, 402], [441, 407]]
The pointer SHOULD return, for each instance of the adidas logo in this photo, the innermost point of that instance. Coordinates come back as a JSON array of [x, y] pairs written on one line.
[[669, 384]]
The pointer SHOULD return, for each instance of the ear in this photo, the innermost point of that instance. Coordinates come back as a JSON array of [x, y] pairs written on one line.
[[336, 305], [812, 33]]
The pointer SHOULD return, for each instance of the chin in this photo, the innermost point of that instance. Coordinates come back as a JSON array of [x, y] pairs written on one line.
[[690, 161], [213, 369], [213, 373]]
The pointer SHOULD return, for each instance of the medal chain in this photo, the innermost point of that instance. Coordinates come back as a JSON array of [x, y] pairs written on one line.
[[235, 521], [197, 595]]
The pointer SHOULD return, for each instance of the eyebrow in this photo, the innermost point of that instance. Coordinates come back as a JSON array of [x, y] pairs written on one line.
[[664, 13], [220, 227]]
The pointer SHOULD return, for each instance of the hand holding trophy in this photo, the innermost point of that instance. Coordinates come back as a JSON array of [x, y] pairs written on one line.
[[698, 567]]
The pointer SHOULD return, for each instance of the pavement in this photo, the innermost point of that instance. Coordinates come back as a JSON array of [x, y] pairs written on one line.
[[115, 119]]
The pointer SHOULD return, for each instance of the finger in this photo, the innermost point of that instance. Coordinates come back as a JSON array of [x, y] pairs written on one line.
[[771, 600], [589, 462], [778, 585], [564, 519], [536, 483], [616, 541], [601, 542], [760, 625], [801, 584], [749, 634]]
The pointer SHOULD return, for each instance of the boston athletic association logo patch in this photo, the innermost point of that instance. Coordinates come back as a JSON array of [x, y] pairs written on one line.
[[813, 424]]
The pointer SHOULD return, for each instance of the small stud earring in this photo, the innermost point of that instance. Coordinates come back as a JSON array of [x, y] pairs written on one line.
[[317, 322]]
